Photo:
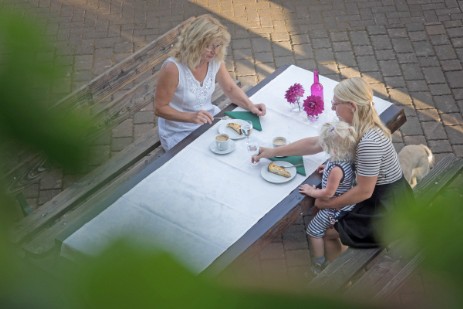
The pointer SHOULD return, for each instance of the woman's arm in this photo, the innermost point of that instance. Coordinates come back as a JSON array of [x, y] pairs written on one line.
[[165, 89], [362, 191], [332, 184], [305, 146], [236, 94]]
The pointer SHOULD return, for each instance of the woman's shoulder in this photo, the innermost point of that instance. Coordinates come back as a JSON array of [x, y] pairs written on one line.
[[215, 65], [373, 134], [171, 66]]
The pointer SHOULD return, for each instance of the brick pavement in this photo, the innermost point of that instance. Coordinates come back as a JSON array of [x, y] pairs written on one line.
[[409, 51]]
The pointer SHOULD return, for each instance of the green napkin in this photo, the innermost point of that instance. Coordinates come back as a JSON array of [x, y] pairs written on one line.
[[293, 160], [246, 116]]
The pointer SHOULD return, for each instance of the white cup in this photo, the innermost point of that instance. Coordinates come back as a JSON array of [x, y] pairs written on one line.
[[279, 141], [222, 141]]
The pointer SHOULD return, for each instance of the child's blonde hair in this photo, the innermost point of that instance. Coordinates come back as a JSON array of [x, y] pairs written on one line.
[[355, 90], [196, 36], [339, 140]]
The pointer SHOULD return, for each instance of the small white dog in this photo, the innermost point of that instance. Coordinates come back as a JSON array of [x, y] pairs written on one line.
[[416, 161]]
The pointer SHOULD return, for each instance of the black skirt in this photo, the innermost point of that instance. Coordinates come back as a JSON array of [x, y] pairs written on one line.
[[356, 228]]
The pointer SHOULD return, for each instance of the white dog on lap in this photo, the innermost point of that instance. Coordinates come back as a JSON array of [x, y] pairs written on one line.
[[416, 161]]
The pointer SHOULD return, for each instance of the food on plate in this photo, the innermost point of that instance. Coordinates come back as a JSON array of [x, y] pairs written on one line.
[[235, 126], [278, 170]]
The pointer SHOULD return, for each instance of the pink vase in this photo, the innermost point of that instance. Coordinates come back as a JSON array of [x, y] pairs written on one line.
[[316, 89]]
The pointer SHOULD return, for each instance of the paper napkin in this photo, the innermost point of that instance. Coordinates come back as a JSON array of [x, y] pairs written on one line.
[[293, 160], [246, 116]]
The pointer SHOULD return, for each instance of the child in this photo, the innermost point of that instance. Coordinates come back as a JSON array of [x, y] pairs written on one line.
[[339, 140]]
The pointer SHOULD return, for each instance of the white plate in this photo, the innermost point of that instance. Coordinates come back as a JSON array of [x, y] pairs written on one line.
[[213, 148], [223, 129], [271, 177]]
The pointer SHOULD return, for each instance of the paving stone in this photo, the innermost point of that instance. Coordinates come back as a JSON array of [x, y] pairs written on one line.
[[446, 104], [120, 143], [367, 63], [412, 127], [454, 134], [390, 68], [411, 71], [445, 52], [297, 257], [434, 130], [273, 250], [124, 129], [455, 78], [440, 146], [415, 140], [428, 115], [433, 75], [143, 117], [440, 90]]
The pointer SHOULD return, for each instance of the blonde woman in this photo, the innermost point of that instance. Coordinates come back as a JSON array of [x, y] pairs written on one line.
[[339, 140], [380, 184], [187, 80]]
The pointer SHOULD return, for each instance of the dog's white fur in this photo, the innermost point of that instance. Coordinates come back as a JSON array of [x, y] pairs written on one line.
[[416, 161]]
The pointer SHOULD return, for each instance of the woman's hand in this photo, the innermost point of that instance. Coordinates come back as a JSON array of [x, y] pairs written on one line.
[[259, 109], [264, 152], [202, 117]]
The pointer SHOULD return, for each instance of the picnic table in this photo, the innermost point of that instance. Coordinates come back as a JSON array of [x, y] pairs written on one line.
[[208, 209]]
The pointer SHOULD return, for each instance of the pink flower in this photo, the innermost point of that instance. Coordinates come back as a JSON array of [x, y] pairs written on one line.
[[313, 105], [294, 93]]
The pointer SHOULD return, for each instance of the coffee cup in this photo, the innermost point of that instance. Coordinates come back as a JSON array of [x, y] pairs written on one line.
[[221, 142], [279, 141]]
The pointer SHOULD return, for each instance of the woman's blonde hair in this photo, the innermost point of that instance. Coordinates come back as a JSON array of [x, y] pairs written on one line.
[[355, 90], [339, 140], [196, 36]]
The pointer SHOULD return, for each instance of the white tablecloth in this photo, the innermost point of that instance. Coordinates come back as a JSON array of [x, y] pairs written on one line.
[[198, 203]]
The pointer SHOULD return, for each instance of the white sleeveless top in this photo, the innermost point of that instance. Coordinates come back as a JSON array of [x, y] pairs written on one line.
[[190, 96]]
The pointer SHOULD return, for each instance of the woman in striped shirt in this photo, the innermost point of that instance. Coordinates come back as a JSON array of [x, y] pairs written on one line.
[[380, 184]]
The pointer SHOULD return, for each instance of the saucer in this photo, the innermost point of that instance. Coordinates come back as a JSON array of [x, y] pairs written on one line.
[[213, 148]]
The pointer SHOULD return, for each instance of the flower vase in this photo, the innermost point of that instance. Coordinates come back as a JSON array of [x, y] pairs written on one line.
[[312, 118], [296, 107]]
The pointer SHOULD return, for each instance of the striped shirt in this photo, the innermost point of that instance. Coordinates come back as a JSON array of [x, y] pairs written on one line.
[[376, 156], [347, 179]]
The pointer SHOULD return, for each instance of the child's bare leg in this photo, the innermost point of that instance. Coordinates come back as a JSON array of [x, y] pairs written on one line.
[[317, 246], [333, 245]]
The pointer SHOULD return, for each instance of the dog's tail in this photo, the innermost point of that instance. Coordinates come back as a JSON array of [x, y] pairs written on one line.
[[429, 154]]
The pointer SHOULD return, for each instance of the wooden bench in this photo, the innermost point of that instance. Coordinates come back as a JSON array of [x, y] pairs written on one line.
[[112, 97], [379, 273], [115, 96]]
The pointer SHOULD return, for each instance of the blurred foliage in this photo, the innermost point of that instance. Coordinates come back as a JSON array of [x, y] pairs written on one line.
[[26, 95], [128, 277], [435, 231]]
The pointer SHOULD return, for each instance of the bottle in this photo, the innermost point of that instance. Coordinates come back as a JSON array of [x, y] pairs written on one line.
[[316, 89]]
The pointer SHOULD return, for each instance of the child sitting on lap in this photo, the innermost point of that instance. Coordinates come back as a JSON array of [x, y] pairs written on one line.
[[339, 140]]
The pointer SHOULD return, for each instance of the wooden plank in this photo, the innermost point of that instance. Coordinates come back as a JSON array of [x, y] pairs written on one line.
[[341, 271], [399, 278], [384, 275], [440, 175]]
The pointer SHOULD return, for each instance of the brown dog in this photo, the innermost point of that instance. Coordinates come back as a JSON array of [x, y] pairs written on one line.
[[416, 161]]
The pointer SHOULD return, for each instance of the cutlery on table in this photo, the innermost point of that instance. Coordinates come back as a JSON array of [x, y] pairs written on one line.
[[292, 165], [222, 118]]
